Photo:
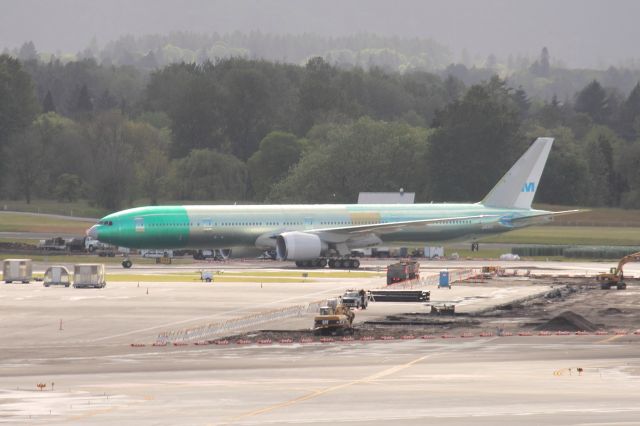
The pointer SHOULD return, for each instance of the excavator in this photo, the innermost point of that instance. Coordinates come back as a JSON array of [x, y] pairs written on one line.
[[334, 318], [615, 276]]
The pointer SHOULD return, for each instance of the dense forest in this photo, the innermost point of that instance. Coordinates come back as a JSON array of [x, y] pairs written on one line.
[[133, 123]]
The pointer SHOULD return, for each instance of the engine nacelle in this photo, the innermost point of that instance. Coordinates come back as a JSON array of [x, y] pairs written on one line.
[[299, 246]]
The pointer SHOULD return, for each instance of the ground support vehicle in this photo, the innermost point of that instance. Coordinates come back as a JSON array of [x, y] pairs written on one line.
[[401, 271], [75, 244], [615, 276], [334, 318], [443, 309], [57, 243], [357, 299], [399, 295], [89, 275], [57, 275], [17, 270], [95, 246]]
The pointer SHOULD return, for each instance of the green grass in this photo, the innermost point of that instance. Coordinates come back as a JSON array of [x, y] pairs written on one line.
[[310, 274], [196, 278], [594, 216], [16, 222], [578, 235], [79, 208]]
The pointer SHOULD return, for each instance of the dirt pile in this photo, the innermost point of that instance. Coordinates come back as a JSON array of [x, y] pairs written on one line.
[[568, 321], [610, 311]]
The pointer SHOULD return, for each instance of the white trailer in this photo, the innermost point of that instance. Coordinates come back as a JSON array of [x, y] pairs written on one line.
[[89, 275], [17, 270], [57, 275]]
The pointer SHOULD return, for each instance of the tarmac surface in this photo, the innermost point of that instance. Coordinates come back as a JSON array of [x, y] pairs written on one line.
[[94, 376]]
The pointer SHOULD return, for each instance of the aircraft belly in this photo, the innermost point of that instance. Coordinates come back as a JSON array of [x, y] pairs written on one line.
[[219, 238], [437, 234]]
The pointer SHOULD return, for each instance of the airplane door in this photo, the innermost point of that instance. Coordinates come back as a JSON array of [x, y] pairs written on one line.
[[139, 223]]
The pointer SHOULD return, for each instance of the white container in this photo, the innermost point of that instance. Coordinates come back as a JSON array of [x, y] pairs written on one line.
[[89, 275], [17, 270], [57, 275]]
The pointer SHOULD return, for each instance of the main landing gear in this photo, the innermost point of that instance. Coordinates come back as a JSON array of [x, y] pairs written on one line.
[[333, 263], [126, 263]]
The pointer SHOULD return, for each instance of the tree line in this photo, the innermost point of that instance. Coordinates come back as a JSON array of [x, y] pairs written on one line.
[[243, 130]]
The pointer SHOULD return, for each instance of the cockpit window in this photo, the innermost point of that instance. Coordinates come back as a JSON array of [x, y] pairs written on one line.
[[105, 222]]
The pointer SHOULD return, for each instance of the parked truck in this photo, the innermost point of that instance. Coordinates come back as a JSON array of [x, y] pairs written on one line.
[[401, 271], [334, 318], [56, 243], [357, 299]]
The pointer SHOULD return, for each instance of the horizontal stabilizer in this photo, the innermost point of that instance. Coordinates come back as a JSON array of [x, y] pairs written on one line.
[[541, 218]]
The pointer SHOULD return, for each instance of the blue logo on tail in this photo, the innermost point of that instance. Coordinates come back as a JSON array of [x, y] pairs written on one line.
[[529, 187]]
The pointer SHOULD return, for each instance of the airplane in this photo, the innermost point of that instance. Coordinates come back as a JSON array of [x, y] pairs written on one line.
[[317, 235]]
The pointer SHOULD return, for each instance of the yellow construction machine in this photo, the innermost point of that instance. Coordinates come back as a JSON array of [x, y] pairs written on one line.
[[334, 318], [615, 276]]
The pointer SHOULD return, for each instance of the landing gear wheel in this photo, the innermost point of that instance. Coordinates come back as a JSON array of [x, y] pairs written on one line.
[[126, 264], [299, 263], [355, 264], [332, 263], [322, 263], [339, 264]]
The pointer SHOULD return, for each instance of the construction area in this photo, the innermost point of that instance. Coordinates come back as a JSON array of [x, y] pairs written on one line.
[[250, 346]]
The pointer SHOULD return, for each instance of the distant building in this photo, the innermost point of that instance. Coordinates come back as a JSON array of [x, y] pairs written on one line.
[[399, 197]]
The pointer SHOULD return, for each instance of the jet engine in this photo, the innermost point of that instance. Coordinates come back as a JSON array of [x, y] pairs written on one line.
[[299, 246]]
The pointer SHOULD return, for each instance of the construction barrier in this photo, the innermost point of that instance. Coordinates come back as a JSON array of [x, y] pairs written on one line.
[[463, 335], [234, 325], [222, 328]]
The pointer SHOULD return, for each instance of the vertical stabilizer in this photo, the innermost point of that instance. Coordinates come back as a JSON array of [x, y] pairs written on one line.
[[518, 186]]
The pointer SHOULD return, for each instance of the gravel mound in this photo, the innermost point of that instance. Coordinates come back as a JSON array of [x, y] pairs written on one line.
[[568, 321], [610, 311]]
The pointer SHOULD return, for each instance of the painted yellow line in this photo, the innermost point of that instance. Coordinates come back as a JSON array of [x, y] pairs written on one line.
[[610, 339], [325, 391]]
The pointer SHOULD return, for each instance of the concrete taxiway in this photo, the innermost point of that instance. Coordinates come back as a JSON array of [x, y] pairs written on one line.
[[93, 375]]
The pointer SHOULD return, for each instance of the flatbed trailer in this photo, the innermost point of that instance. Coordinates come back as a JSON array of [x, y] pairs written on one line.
[[400, 295]]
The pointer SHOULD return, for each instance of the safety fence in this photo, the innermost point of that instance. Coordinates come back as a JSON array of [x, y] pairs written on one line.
[[456, 275], [432, 337], [234, 325]]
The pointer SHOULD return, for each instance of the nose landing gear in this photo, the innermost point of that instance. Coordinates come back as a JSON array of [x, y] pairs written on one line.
[[126, 264]]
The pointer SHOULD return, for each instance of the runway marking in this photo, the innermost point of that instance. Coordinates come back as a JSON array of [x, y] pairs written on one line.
[[610, 339], [325, 391]]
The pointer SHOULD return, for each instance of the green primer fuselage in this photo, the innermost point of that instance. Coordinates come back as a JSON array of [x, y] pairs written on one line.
[[255, 226]]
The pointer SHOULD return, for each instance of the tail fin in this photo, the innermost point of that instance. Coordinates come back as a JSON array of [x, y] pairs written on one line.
[[518, 186]]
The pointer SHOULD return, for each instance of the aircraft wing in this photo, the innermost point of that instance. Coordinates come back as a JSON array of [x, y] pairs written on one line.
[[346, 232]]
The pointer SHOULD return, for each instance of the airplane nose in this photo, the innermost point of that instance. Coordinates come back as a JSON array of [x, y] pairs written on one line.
[[93, 232]]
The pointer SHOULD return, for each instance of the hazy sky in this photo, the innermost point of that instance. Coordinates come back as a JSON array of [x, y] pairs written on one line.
[[581, 32]]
